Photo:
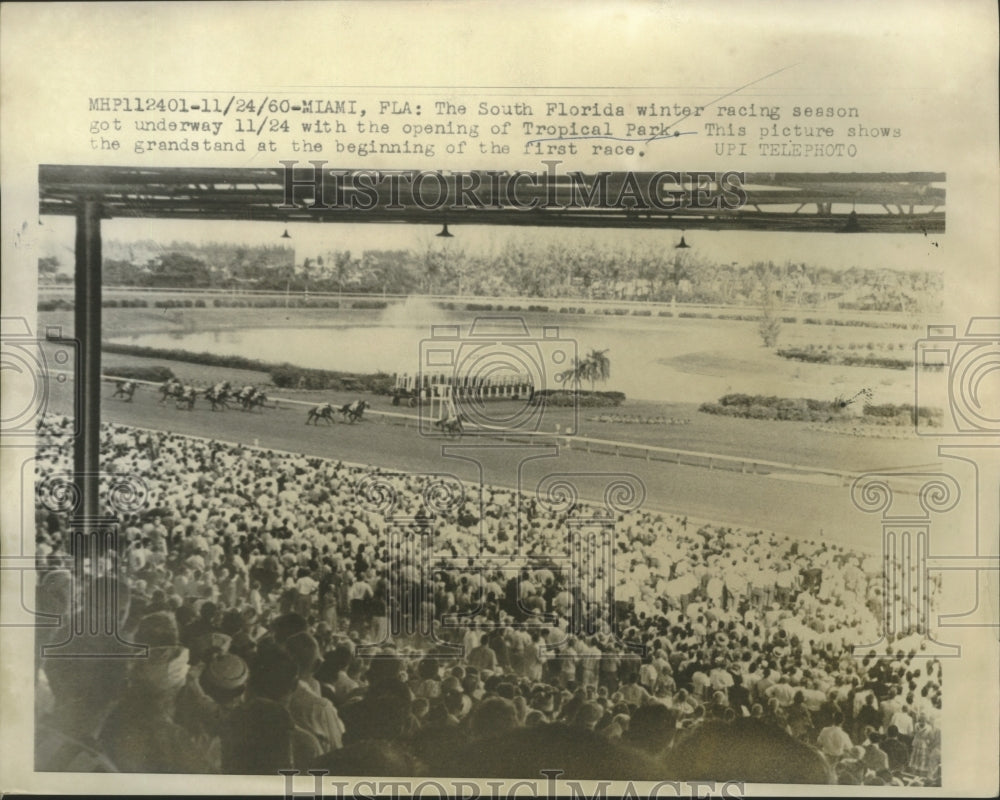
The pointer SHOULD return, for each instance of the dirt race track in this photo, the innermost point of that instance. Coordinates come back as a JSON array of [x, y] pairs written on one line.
[[807, 507]]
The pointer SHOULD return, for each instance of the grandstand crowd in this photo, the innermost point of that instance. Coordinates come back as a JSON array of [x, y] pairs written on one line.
[[260, 580]]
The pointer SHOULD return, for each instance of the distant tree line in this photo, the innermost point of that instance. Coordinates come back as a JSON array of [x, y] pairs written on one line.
[[580, 270]]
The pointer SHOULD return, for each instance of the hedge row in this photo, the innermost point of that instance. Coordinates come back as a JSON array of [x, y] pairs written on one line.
[[179, 304], [126, 303], [904, 411], [804, 409], [55, 305], [861, 323], [156, 374], [500, 307], [274, 302], [568, 397], [285, 376], [847, 359], [61, 304], [797, 409], [870, 346]]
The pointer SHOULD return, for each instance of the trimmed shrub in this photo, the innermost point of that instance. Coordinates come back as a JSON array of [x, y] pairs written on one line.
[[55, 305], [583, 399], [803, 409], [846, 359], [793, 409]]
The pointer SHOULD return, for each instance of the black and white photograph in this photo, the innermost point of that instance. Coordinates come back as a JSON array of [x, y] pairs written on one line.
[[419, 426]]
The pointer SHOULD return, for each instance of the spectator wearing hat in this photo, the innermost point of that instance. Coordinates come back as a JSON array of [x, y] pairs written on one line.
[[260, 736], [309, 709], [141, 734], [217, 690]]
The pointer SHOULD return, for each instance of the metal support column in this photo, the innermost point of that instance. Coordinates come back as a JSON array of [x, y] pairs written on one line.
[[86, 455], [95, 613]]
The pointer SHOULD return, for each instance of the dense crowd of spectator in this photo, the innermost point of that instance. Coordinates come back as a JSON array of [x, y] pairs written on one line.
[[263, 584]]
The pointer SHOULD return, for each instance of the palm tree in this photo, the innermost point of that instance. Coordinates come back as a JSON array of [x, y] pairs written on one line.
[[598, 367], [342, 263], [574, 374]]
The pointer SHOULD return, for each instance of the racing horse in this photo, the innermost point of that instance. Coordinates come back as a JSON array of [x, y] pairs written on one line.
[[170, 388], [354, 411], [186, 398], [125, 390], [324, 412], [218, 395], [256, 399], [247, 397], [451, 424]]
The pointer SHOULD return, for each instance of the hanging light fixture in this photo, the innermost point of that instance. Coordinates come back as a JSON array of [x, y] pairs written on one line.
[[852, 225], [286, 234], [445, 234], [682, 245]]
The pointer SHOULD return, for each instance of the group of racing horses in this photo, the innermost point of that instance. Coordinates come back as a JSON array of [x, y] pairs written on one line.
[[250, 397], [184, 396], [220, 395], [352, 412]]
